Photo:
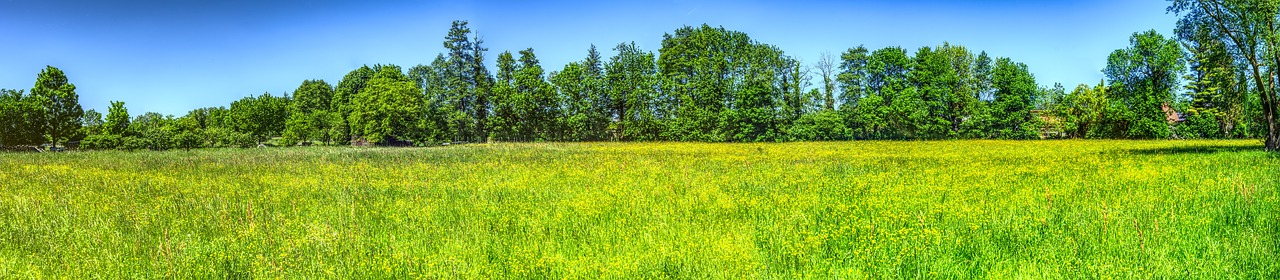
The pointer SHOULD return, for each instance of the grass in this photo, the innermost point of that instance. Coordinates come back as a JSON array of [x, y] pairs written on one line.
[[949, 209]]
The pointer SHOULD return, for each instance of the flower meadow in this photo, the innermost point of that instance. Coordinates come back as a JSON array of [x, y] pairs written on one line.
[[927, 209]]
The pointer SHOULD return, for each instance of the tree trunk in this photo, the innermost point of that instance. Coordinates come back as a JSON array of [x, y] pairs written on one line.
[[1273, 136]]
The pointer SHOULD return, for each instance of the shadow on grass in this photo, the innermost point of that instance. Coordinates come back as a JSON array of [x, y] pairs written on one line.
[[1196, 150]]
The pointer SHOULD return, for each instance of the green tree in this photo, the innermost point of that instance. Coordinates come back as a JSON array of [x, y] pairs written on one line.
[[1081, 111], [826, 66], [881, 99], [468, 82], [90, 124], [433, 81], [505, 121], [1144, 77], [262, 116], [351, 84], [309, 116], [936, 79], [631, 82], [722, 85], [389, 108], [60, 104], [537, 106], [1015, 94], [117, 122], [1251, 33], [23, 117]]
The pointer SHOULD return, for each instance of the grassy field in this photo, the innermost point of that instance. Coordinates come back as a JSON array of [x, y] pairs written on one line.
[[951, 209]]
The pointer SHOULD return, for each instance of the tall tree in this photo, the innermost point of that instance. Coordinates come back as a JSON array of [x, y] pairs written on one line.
[[723, 84], [826, 66], [632, 84], [1015, 94], [60, 102], [935, 79], [347, 88], [584, 100], [538, 105], [1251, 33], [505, 119], [309, 116], [1144, 77], [468, 82]]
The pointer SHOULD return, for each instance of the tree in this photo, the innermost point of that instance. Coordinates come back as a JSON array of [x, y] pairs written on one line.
[[538, 106], [631, 82], [1081, 111], [936, 79], [151, 131], [1015, 94], [23, 119], [723, 85], [826, 66], [581, 86], [90, 124], [468, 82], [309, 112], [438, 110], [262, 116], [505, 120], [1144, 76], [117, 122], [60, 104], [312, 96], [351, 84], [1251, 33], [388, 109], [883, 101]]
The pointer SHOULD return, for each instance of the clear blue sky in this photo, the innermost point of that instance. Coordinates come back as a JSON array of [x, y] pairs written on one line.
[[174, 56]]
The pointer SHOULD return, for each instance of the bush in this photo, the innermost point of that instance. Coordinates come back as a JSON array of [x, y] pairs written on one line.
[[133, 143], [188, 140], [101, 142], [821, 126], [218, 137], [158, 139], [1199, 126]]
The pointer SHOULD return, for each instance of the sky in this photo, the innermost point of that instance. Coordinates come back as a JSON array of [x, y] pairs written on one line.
[[174, 56]]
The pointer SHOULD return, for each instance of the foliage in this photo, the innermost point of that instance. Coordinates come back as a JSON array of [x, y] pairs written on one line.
[[347, 89], [261, 116], [631, 84], [1143, 78], [59, 103], [388, 108], [23, 118], [309, 113], [117, 122], [1247, 32], [723, 85], [825, 125], [1015, 93]]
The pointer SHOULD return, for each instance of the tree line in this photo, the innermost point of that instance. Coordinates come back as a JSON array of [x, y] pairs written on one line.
[[715, 85]]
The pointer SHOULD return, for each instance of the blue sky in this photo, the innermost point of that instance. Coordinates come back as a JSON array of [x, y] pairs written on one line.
[[174, 56]]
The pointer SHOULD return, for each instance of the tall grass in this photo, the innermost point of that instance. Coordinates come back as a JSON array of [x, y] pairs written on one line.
[[947, 209]]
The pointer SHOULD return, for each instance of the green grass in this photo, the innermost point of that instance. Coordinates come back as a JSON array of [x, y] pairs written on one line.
[[949, 209]]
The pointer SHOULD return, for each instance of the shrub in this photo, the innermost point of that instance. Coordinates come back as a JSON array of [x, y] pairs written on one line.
[[100, 142]]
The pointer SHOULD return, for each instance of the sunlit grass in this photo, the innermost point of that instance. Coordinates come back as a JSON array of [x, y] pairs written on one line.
[[949, 209]]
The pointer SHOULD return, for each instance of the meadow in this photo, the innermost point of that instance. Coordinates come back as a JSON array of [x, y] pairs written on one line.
[[931, 209]]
